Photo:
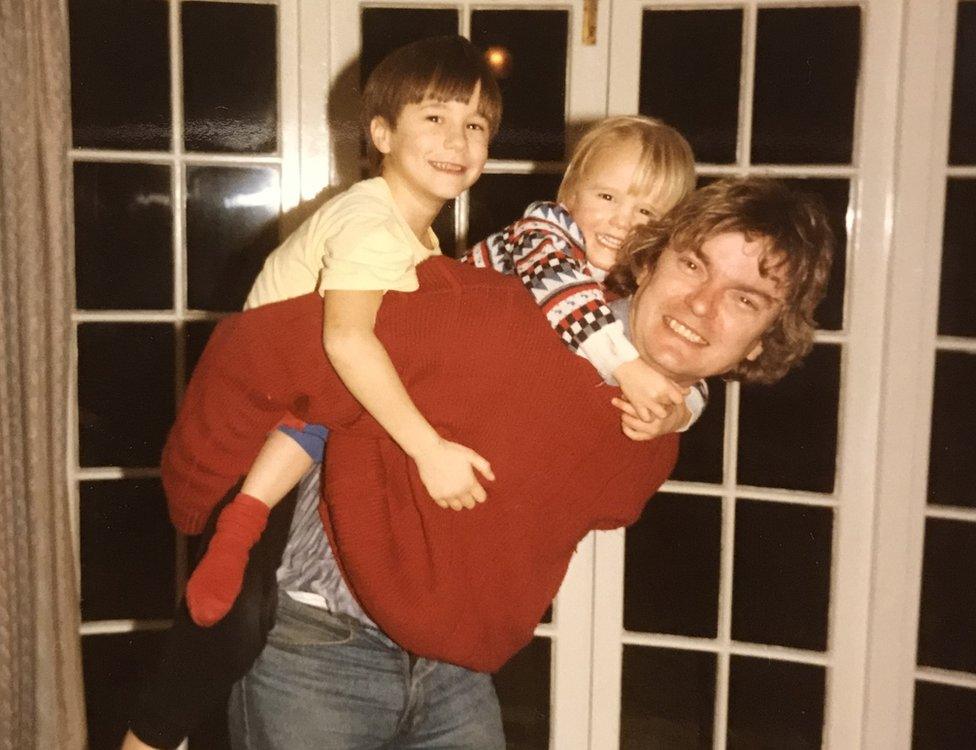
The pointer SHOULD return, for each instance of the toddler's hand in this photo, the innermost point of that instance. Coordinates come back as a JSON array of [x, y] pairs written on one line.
[[447, 471], [638, 429], [648, 391]]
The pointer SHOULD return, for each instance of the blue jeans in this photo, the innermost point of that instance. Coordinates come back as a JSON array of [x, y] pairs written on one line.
[[326, 682]]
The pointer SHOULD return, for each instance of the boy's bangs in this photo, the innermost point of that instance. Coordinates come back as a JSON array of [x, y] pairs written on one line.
[[447, 87], [456, 86]]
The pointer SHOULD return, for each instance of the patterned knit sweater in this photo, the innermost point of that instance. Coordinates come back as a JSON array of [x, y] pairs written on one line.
[[546, 250], [482, 364]]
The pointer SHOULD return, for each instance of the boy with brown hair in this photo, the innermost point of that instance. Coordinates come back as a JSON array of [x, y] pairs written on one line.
[[430, 109]]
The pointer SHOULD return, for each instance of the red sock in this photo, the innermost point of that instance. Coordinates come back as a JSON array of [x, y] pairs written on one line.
[[217, 580]]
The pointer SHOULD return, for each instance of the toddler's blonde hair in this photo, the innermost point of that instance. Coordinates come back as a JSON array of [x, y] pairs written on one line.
[[667, 166]]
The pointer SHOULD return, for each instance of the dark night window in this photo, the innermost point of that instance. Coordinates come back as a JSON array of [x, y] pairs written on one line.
[[230, 91], [120, 87], [696, 93], [807, 62]]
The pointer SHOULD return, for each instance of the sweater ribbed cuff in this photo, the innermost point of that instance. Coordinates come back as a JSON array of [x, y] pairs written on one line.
[[607, 349], [695, 402]]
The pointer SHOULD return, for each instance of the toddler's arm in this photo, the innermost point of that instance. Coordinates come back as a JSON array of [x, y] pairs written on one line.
[[545, 248], [681, 418], [361, 361]]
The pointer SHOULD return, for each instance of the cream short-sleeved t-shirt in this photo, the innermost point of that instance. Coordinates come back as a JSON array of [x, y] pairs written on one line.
[[356, 241]]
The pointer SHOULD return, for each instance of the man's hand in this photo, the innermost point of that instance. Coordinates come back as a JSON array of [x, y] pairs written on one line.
[[638, 429], [447, 471], [649, 392]]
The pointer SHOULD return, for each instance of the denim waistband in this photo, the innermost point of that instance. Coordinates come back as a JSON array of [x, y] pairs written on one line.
[[311, 613]]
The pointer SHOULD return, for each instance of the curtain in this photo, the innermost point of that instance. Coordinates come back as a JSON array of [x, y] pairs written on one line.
[[41, 694]]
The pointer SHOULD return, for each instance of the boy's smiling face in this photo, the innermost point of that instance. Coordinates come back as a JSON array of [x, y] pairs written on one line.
[[604, 204], [436, 150]]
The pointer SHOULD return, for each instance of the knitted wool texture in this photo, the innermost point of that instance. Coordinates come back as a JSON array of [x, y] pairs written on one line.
[[482, 364]]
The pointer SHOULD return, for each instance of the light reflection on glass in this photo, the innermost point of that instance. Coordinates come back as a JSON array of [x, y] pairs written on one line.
[[265, 197], [499, 60], [231, 226]]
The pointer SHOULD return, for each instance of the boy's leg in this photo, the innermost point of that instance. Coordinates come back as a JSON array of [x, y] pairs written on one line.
[[199, 665], [217, 580]]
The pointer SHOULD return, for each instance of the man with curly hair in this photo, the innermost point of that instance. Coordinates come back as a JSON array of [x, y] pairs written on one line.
[[726, 284]]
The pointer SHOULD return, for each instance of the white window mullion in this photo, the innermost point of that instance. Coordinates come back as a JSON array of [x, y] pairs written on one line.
[[867, 271], [917, 205], [176, 173], [746, 86], [315, 58], [608, 630], [723, 640], [178, 191], [571, 654]]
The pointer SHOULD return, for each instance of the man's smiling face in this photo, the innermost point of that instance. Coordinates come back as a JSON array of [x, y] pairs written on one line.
[[700, 312]]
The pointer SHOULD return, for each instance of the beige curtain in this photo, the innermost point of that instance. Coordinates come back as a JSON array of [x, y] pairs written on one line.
[[41, 696]]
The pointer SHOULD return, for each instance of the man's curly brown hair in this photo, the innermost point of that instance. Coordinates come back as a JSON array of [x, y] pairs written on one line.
[[798, 242]]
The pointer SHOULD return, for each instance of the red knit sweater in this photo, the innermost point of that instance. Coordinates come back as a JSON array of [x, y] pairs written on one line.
[[483, 365]]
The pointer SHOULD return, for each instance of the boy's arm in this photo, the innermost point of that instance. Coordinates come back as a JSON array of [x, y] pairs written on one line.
[[364, 366]]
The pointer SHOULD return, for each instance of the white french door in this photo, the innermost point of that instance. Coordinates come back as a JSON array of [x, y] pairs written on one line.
[[553, 85], [772, 652]]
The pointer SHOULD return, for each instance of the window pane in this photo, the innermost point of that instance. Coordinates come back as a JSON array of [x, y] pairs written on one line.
[[444, 228], [957, 288], [533, 82], [781, 584], [523, 692], [123, 237], [952, 471], [120, 74], [947, 614], [835, 195], [127, 551], [386, 29], [806, 78], [962, 133], [696, 93], [125, 392], [230, 73], [774, 704], [702, 447], [668, 699], [672, 566], [945, 717], [115, 667], [497, 200], [788, 432], [231, 226]]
